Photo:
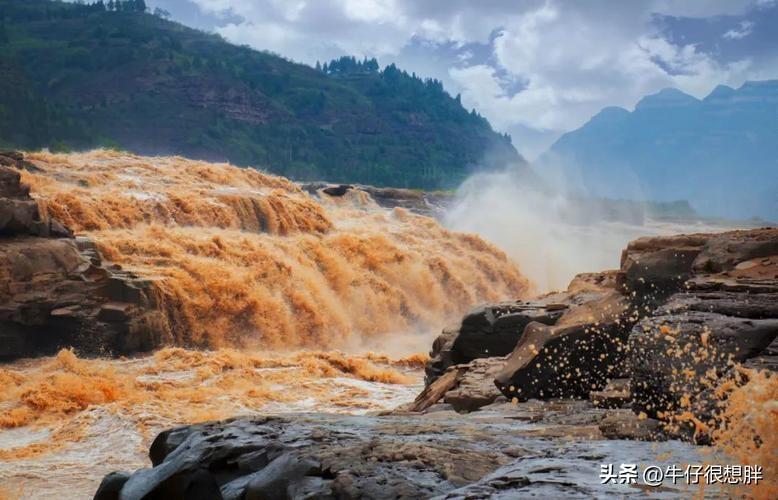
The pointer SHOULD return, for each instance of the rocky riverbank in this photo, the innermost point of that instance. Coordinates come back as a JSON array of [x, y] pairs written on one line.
[[55, 289], [532, 397]]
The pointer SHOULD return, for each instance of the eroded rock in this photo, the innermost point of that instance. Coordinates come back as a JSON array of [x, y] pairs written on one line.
[[485, 332], [55, 291], [726, 316], [577, 355], [399, 456]]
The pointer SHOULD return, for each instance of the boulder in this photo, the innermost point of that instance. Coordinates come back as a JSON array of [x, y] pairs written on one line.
[[337, 191], [111, 485], [487, 331], [493, 330], [655, 267], [625, 424], [475, 385], [577, 355]]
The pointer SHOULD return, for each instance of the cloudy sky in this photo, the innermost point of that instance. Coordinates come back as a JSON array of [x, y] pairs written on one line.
[[534, 68]]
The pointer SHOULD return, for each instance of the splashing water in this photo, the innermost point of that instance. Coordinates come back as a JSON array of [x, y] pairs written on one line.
[[553, 235], [748, 432]]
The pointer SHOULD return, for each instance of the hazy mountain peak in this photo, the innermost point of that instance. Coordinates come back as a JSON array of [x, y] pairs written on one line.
[[666, 97], [720, 92], [720, 154]]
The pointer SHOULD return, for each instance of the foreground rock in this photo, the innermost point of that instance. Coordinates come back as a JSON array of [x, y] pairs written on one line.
[[400, 456], [487, 331], [577, 355], [492, 331], [55, 290]]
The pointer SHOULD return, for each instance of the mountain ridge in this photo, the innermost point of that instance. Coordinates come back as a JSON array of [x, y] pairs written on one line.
[[79, 76], [720, 152]]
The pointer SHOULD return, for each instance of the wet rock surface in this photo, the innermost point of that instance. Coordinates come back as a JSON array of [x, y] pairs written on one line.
[[439, 454], [726, 317], [577, 355], [487, 331], [493, 330], [55, 290], [429, 203], [658, 335]]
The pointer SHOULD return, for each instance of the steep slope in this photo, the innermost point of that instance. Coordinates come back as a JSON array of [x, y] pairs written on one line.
[[78, 76], [720, 153]]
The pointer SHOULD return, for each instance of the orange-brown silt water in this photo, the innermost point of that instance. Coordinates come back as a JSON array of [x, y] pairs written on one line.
[[749, 432], [65, 421], [249, 260], [280, 290]]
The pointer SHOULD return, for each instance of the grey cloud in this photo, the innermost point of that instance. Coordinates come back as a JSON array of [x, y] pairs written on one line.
[[533, 67]]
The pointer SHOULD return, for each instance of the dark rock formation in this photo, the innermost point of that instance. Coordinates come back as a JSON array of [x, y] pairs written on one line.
[[55, 291], [659, 335], [487, 331], [322, 456], [474, 387], [655, 267], [727, 315], [428, 203], [493, 330], [398, 456], [623, 423], [19, 214], [575, 356]]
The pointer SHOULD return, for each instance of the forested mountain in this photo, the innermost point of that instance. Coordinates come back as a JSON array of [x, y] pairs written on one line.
[[720, 153], [111, 74]]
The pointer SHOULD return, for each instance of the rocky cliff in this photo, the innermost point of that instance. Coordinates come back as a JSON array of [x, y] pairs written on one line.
[[55, 290]]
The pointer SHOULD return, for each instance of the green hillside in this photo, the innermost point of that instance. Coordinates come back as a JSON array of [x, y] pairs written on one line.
[[77, 76]]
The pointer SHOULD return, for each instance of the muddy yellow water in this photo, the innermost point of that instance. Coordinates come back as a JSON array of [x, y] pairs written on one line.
[[66, 421], [249, 259]]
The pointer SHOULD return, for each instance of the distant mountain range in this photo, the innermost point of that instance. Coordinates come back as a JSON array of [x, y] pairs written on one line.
[[719, 153], [77, 75]]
